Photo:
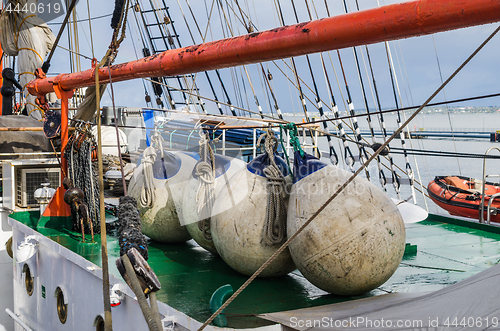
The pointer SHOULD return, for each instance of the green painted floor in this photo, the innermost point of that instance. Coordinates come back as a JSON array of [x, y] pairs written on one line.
[[448, 251]]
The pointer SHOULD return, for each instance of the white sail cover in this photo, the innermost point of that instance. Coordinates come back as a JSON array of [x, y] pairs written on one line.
[[471, 304], [28, 37]]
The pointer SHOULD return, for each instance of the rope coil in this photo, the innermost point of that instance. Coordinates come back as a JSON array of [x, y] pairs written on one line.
[[275, 224], [205, 196], [147, 192]]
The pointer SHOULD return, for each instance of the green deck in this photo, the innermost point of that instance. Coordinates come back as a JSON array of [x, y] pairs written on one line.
[[448, 250]]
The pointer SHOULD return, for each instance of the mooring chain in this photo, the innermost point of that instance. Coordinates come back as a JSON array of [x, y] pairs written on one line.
[[81, 170], [205, 196], [275, 225]]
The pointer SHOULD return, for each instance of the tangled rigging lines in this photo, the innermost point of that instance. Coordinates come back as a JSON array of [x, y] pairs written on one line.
[[275, 225], [205, 196]]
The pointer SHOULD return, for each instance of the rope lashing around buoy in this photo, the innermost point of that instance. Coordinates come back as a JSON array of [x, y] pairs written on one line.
[[275, 225], [205, 196], [147, 192], [157, 141]]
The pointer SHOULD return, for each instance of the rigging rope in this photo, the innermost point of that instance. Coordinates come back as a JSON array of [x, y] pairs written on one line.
[[333, 154], [46, 64], [147, 196], [447, 109], [275, 224], [206, 73], [205, 196]]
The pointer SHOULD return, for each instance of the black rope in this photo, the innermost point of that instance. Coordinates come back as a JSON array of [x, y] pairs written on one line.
[[444, 154], [117, 12]]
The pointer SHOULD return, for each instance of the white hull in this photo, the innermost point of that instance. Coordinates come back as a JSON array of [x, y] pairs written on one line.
[[6, 292], [55, 266]]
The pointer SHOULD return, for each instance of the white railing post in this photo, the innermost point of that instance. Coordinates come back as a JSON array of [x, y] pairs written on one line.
[[254, 143], [223, 142]]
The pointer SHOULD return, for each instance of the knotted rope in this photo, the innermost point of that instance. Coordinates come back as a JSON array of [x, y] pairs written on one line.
[[147, 192], [205, 196], [294, 137], [157, 140], [275, 224]]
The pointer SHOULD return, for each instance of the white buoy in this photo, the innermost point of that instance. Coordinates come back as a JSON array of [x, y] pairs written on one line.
[[191, 213], [239, 219], [356, 243], [110, 143], [158, 185]]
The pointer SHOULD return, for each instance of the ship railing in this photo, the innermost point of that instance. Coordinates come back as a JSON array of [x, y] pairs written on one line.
[[491, 211], [481, 209], [307, 146], [253, 148], [310, 147]]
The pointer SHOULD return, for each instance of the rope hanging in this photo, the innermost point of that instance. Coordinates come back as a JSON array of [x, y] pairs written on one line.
[[275, 225], [205, 196], [147, 192], [82, 172]]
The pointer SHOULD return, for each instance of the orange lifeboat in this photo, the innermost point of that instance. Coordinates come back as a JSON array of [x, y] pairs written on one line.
[[461, 196]]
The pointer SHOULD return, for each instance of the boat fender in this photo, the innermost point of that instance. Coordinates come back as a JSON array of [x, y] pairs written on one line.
[[239, 219], [159, 191], [190, 212], [356, 243]]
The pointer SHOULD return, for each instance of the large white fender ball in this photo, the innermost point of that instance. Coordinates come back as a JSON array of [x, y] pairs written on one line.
[[190, 213], [238, 221], [356, 243], [157, 186]]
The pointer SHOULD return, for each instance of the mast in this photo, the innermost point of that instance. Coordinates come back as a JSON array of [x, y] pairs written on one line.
[[388, 22]]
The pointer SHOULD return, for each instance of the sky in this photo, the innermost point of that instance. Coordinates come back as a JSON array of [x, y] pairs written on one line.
[[421, 63]]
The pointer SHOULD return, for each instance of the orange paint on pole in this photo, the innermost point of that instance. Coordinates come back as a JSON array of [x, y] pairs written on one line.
[[391, 22]]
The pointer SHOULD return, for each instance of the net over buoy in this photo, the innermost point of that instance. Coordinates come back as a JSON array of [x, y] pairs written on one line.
[[157, 183], [241, 230], [356, 243]]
